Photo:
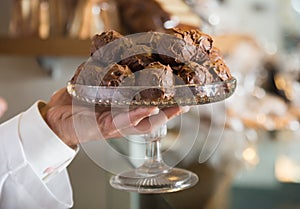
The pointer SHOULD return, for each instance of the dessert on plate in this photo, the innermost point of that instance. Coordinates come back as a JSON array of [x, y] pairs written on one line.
[[159, 61]]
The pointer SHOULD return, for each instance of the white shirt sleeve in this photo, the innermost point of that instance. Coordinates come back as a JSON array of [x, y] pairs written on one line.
[[33, 164]]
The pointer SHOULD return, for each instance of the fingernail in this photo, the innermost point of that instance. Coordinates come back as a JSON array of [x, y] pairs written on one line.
[[155, 111], [185, 109]]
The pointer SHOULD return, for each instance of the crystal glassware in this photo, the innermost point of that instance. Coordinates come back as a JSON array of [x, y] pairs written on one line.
[[154, 176]]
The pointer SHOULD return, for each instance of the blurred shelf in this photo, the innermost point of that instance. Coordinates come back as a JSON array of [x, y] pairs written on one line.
[[30, 46]]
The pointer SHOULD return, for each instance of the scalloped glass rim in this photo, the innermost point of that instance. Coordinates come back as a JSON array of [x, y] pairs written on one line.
[[184, 95]]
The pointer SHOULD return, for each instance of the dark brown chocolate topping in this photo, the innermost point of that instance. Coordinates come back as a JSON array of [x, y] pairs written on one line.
[[184, 46], [116, 75], [137, 57], [156, 74], [88, 74], [217, 64], [153, 59], [174, 51], [194, 73], [199, 43], [93, 75], [102, 39]]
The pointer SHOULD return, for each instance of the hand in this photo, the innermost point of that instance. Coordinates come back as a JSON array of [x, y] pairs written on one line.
[[76, 124], [3, 106]]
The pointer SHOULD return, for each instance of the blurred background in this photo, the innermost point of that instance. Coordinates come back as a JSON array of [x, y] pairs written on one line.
[[257, 162]]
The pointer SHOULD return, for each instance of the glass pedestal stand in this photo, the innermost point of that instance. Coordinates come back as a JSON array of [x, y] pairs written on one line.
[[154, 176]]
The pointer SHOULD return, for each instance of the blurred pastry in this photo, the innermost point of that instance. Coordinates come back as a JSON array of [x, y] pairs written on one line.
[[156, 15]]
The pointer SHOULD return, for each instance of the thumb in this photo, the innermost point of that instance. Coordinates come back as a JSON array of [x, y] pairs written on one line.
[[60, 97]]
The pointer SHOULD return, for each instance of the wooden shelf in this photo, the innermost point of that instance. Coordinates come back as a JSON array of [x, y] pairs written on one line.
[[48, 47]]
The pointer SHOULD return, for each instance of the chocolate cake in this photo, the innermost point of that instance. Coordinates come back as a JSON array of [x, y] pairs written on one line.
[[183, 46], [115, 75], [155, 75], [194, 73], [102, 39], [153, 59], [108, 47], [137, 57], [92, 75], [216, 65]]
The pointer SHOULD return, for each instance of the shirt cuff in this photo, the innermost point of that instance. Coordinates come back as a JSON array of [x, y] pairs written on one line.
[[46, 153]]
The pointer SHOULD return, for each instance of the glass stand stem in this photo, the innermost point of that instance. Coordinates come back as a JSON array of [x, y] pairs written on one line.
[[153, 153], [153, 163], [154, 176]]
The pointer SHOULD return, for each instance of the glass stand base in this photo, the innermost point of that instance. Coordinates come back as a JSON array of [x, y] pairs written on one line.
[[170, 180]]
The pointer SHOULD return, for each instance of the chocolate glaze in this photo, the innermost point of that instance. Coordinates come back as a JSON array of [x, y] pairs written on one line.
[[156, 74], [194, 73], [153, 59], [102, 39], [137, 57], [184, 46], [115, 75]]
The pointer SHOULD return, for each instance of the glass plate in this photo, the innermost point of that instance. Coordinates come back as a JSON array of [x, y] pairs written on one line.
[[154, 176], [182, 95]]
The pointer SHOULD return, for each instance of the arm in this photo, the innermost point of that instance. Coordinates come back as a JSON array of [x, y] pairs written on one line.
[[37, 146], [22, 164]]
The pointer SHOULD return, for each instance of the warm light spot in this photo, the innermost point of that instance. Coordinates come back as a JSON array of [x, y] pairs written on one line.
[[250, 156], [173, 178], [44, 27], [280, 82], [173, 22], [25, 6], [287, 170]]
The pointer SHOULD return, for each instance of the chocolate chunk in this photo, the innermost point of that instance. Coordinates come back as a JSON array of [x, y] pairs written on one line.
[[88, 74], [108, 48], [155, 75], [93, 75], [137, 57], [182, 47], [115, 75], [217, 64], [201, 41], [221, 70], [75, 78], [196, 37], [100, 40], [174, 51], [194, 73]]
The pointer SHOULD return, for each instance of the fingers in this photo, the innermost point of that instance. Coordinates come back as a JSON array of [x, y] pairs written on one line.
[[147, 124], [119, 123], [60, 97], [124, 120], [172, 112], [153, 122], [128, 120]]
